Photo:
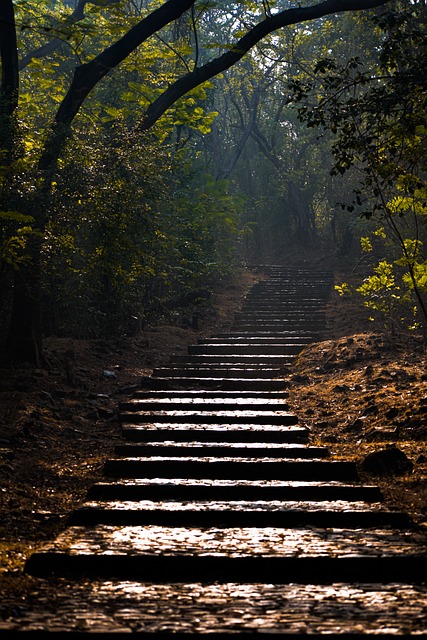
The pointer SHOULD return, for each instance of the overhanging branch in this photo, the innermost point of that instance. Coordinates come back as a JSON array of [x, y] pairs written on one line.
[[285, 18], [87, 76]]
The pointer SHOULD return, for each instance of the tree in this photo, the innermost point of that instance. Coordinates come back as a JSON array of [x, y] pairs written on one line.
[[25, 336]]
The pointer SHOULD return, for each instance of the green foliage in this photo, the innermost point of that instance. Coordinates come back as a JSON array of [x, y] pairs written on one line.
[[343, 289], [14, 237], [137, 233], [376, 112], [389, 297]]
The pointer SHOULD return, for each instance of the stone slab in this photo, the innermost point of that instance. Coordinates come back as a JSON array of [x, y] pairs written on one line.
[[205, 489], [218, 611], [267, 555], [230, 469], [250, 432]]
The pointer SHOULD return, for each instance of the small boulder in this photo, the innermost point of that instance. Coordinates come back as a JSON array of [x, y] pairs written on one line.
[[390, 461], [382, 434]]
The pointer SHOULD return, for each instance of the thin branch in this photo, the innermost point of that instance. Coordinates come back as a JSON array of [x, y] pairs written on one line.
[[169, 46], [52, 45], [196, 37]]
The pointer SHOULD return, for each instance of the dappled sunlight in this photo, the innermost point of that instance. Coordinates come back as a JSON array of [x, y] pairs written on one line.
[[230, 606], [236, 542]]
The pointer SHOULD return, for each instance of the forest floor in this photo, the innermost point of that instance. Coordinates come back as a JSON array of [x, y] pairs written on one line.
[[359, 391]]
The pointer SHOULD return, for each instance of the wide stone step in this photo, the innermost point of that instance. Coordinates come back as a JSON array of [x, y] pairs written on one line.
[[249, 338], [225, 384], [221, 611], [228, 361], [214, 433], [230, 468], [273, 296], [293, 296], [220, 449], [263, 325], [196, 394], [187, 403], [211, 417], [239, 361], [248, 348], [284, 321], [237, 514], [268, 555], [262, 337], [205, 489], [262, 373], [278, 314]]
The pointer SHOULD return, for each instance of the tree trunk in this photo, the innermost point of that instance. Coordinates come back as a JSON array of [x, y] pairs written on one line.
[[24, 342]]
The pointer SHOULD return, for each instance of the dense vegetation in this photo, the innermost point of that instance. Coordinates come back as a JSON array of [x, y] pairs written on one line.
[[144, 154]]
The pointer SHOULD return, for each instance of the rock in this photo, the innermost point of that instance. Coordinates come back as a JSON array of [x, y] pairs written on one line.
[[128, 389], [369, 370], [109, 374], [300, 378], [389, 461], [392, 413], [341, 388], [378, 434], [371, 410], [355, 426], [7, 454]]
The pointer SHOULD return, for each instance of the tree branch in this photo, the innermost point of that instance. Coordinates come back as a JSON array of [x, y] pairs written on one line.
[[53, 44], [285, 18], [87, 76]]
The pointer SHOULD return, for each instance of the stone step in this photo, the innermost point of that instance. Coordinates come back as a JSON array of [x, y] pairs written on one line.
[[277, 314], [282, 418], [187, 403], [226, 384], [214, 433], [231, 372], [284, 321], [281, 309], [270, 297], [263, 325], [268, 555], [235, 338], [226, 396], [115, 610], [231, 468], [220, 449], [228, 361], [303, 295], [248, 348], [265, 336], [236, 361], [229, 514], [184, 489]]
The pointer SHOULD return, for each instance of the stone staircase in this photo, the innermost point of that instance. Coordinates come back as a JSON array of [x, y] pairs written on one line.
[[218, 518]]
